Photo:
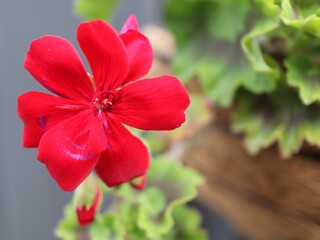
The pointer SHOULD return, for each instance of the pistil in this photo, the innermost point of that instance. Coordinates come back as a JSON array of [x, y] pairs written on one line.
[[104, 100]]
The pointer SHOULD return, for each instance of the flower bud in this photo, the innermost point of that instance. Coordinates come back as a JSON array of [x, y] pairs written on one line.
[[88, 198], [139, 182]]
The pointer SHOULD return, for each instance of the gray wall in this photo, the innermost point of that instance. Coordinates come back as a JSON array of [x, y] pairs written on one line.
[[30, 201]]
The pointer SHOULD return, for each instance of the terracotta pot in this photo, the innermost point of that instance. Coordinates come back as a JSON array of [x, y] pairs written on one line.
[[263, 196]]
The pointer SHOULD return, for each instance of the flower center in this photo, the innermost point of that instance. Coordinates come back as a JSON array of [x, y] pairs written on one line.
[[103, 100]]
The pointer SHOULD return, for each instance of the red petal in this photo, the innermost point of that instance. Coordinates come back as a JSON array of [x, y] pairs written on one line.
[[85, 216], [140, 54], [125, 158], [130, 24], [97, 136], [152, 104], [55, 63], [40, 111], [65, 150], [105, 52]]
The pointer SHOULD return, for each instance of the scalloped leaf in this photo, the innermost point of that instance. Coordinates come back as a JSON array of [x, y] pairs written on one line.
[[304, 75], [221, 84], [252, 49], [267, 7], [142, 215], [93, 9], [179, 182], [259, 135], [257, 82], [221, 72], [107, 226], [292, 17], [129, 215], [280, 118], [217, 85], [187, 221], [68, 228], [226, 85]]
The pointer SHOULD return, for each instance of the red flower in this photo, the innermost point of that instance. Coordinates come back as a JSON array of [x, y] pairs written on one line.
[[86, 214], [80, 129]]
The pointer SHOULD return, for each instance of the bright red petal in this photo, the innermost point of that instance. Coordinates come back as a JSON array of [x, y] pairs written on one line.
[[130, 24], [152, 104], [55, 63], [66, 152], [97, 136], [105, 52], [140, 54], [40, 111], [125, 158]]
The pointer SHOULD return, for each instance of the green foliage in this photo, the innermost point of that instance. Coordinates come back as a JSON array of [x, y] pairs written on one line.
[[93, 9], [219, 15], [186, 227], [295, 18], [279, 117], [252, 48], [158, 212], [267, 48], [108, 226], [187, 20], [268, 8], [208, 49], [67, 228], [304, 74]]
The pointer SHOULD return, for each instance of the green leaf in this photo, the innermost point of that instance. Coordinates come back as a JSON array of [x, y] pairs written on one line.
[[68, 228], [251, 47], [93, 9], [153, 199], [129, 215], [140, 215], [187, 221], [257, 82], [304, 74], [186, 19], [185, 65], [107, 226], [278, 117], [200, 55], [226, 85], [306, 4], [269, 8], [221, 25], [220, 81], [291, 16], [179, 183], [260, 133]]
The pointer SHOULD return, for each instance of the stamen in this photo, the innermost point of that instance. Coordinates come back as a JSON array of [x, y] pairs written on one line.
[[104, 100]]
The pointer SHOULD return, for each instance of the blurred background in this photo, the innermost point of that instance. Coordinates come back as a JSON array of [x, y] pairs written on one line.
[[30, 201]]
